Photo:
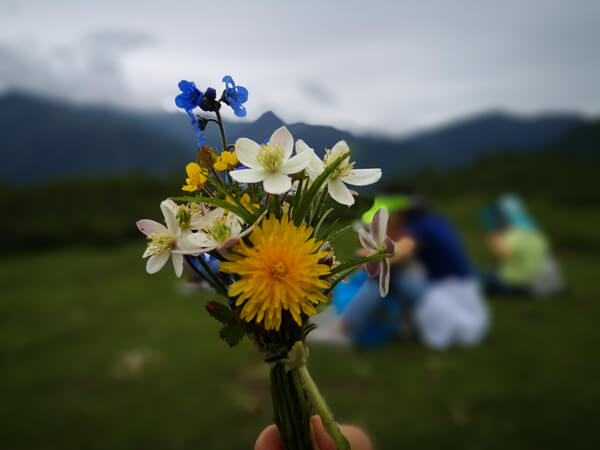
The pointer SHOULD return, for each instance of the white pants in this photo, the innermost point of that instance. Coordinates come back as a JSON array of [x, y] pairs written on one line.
[[452, 312]]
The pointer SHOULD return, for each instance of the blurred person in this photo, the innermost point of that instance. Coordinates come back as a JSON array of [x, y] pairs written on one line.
[[269, 439], [433, 290], [526, 265]]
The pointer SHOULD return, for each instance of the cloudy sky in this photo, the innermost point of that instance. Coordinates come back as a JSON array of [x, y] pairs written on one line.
[[372, 66]]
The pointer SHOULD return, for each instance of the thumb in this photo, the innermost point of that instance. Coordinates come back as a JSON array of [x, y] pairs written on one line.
[[357, 438], [269, 439]]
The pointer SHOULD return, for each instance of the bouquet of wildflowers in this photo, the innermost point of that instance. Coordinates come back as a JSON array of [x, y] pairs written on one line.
[[257, 228]]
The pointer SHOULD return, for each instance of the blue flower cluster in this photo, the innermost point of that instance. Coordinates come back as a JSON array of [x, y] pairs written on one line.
[[191, 97]]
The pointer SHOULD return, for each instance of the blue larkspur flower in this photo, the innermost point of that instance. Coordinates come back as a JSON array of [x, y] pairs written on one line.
[[190, 96], [234, 96], [198, 128], [209, 102]]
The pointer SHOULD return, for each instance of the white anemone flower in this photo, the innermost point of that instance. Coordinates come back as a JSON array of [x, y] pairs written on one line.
[[166, 241], [377, 241], [271, 163], [216, 230], [315, 165], [344, 173]]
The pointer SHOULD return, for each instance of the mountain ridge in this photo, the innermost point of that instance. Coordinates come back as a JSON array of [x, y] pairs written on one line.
[[43, 138]]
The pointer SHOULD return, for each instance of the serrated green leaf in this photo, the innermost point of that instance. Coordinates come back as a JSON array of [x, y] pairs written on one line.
[[232, 334], [219, 311]]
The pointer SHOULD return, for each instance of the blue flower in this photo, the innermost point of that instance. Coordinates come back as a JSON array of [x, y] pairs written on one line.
[[209, 102], [198, 127], [190, 96], [234, 96]]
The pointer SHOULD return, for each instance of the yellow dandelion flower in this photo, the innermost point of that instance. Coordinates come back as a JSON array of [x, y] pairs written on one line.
[[280, 270], [196, 177], [227, 160]]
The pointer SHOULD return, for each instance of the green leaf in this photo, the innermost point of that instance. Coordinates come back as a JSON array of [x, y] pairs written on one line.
[[232, 334], [311, 193], [219, 311], [360, 261], [337, 233], [323, 217]]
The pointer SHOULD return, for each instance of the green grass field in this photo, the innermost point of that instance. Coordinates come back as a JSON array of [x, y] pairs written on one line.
[[96, 354]]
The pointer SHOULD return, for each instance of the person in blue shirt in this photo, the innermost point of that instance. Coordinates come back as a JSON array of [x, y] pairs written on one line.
[[434, 289]]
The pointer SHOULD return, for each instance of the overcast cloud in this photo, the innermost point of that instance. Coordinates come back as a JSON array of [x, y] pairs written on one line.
[[367, 67]]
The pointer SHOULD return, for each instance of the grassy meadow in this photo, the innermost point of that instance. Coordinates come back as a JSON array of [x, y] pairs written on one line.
[[96, 354]]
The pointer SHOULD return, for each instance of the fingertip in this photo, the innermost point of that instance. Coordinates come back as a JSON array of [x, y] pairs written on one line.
[[357, 438], [269, 439]]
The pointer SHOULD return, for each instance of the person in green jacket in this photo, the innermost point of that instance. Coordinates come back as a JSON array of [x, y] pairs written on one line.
[[526, 265]]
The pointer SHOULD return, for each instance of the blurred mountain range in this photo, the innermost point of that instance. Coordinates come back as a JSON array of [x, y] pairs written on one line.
[[43, 139]]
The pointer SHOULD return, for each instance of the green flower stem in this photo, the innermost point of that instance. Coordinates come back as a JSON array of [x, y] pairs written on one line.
[[217, 176], [221, 287], [317, 400], [205, 278], [357, 262], [280, 413], [340, 277], [290, 408], [222, 130]]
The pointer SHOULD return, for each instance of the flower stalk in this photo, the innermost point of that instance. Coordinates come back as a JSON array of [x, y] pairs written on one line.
[[316, 399]]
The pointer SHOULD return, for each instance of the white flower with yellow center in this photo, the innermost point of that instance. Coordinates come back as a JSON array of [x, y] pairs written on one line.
[[191, 215], [216, 230], [271, 163], [165, 242], [344, 173]]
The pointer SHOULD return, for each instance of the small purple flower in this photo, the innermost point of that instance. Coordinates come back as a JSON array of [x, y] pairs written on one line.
[[377, 241], [234, 96], [190, 96]]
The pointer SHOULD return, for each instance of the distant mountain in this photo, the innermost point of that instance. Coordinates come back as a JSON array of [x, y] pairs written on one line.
[[42, 139], [464, 142]]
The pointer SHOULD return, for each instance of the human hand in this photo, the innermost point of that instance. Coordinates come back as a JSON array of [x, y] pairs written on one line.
[[269, 439]]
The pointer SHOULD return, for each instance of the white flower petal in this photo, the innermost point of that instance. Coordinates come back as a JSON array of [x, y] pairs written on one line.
[[193, 243], [157, 262], [177, 261], [362, 177], [190, 243], [384, 277], [169, 208], [366, 240], [296, 163], [315, 167], [277, 183], [379, 226], [283, 138], [229, 243], [248, 175], [246, 151], [148, 226], [339, 149], [339, 192], [302, 146]]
